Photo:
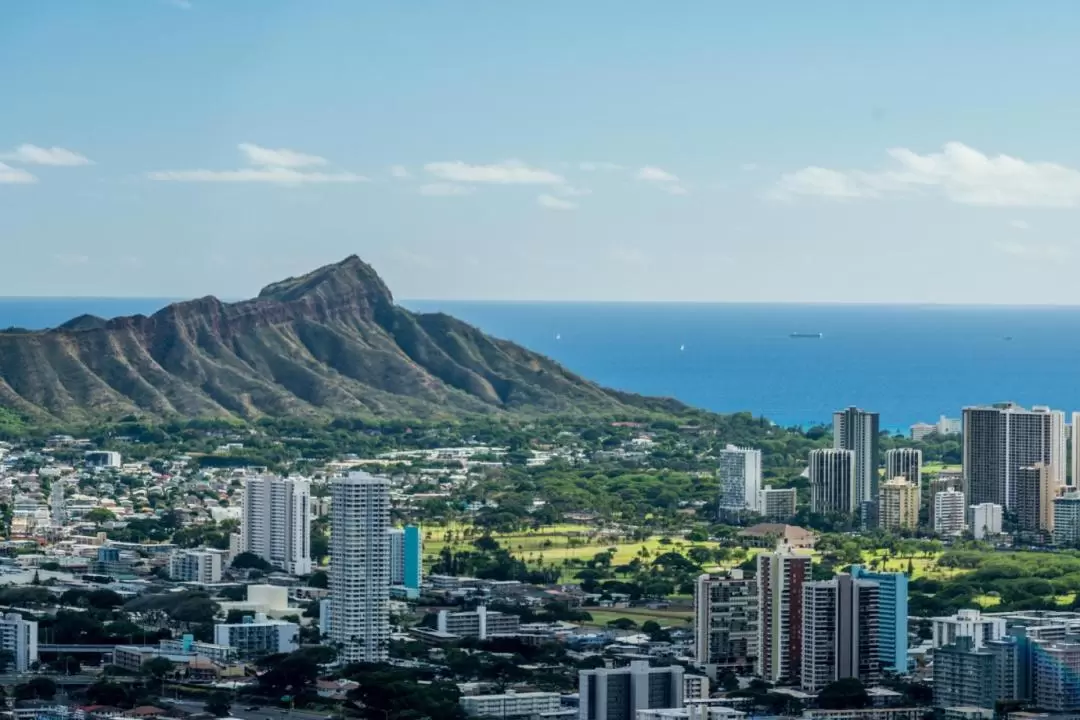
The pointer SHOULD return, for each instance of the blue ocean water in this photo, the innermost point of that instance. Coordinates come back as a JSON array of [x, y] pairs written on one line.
[[909, 363]]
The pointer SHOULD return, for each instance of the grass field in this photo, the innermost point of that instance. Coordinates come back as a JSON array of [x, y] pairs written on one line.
[[935, 468], [921, 566], [555, 543], [673, 618]]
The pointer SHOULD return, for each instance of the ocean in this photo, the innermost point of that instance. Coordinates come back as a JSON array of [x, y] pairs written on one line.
[[909, 363]]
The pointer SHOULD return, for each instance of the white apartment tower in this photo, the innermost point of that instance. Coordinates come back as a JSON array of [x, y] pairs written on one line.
[[359, 622], [739, 473], [905, 463], [857, 430], [20, 638], [949, 512], [276, 522], [833, 486]]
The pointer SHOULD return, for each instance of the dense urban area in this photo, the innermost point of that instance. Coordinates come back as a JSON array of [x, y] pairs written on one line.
[[704, 567]]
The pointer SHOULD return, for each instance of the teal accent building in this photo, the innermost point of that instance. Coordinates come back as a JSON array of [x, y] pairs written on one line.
[[892, 615]]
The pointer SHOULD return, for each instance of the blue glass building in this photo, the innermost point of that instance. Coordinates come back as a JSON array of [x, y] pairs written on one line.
[[892, 616]]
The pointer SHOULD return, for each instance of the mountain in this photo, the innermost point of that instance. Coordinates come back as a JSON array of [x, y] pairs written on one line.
[[331, 343]]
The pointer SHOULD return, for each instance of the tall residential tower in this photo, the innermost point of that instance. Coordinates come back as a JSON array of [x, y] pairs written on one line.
[[276, 522], [857, 430], [359, 622]]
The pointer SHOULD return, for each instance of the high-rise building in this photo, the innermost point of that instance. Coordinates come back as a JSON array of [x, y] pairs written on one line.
[[944, 480], [967, 623], [892, 616], [726, 622], [898, 508], [1067, 520], [949, 512], [57, 507], [19, 638], [620, 693], [840, 631], [1057, 669], [195, 565], [833, 486], [780, 577], [1001, 442], [406, 557], [777, 503], [1075, 479], [964, 676], [1036, 489], [905, 463], [985, 520], [1058, 444], [857, 430], [739, 472], [276, 522], [359, 606]]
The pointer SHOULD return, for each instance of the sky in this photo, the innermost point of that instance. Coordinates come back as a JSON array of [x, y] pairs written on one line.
[[916, 152]]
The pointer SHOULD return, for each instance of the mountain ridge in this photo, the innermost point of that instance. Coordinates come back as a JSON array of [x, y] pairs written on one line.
[[328, 343]]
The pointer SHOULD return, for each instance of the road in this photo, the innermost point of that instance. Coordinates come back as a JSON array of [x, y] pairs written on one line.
[[263, 713]]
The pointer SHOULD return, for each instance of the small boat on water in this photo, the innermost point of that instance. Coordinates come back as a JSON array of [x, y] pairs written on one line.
[[806, 336]]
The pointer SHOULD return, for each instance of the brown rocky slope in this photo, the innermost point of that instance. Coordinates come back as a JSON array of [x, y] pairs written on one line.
[[331, 343]]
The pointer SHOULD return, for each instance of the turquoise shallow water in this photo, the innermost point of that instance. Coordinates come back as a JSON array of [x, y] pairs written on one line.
[[909, 363]]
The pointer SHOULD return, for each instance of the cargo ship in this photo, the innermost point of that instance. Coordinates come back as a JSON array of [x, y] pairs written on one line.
[[807, 336]]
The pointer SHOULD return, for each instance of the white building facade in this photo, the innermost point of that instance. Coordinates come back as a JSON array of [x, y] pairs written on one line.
[[985, 520], [20, 638], [201, 566], [739, 474], [949, 512], [276, 522], [359, 606]]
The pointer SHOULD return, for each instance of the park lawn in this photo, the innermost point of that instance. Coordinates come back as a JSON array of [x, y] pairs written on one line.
[[556, 543], [921, 565], [935, 468], [673, 618], [986, 601]]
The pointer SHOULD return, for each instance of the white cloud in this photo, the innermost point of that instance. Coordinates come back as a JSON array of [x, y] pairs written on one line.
[[1019, 224], [1017, 249], [70, 258], [281, 157], [676, 190], [508, 172], [445, 190], [33, 155], [823, 183], [958, 173], [749, 167], [272, 166], [571, 191], [655, 174], [592, 166], [15, 176], [181, 4], [553, 203], [275, 175], [400, 172]]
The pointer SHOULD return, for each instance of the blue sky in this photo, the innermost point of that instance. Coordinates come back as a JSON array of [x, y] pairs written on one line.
[[789, 151]]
